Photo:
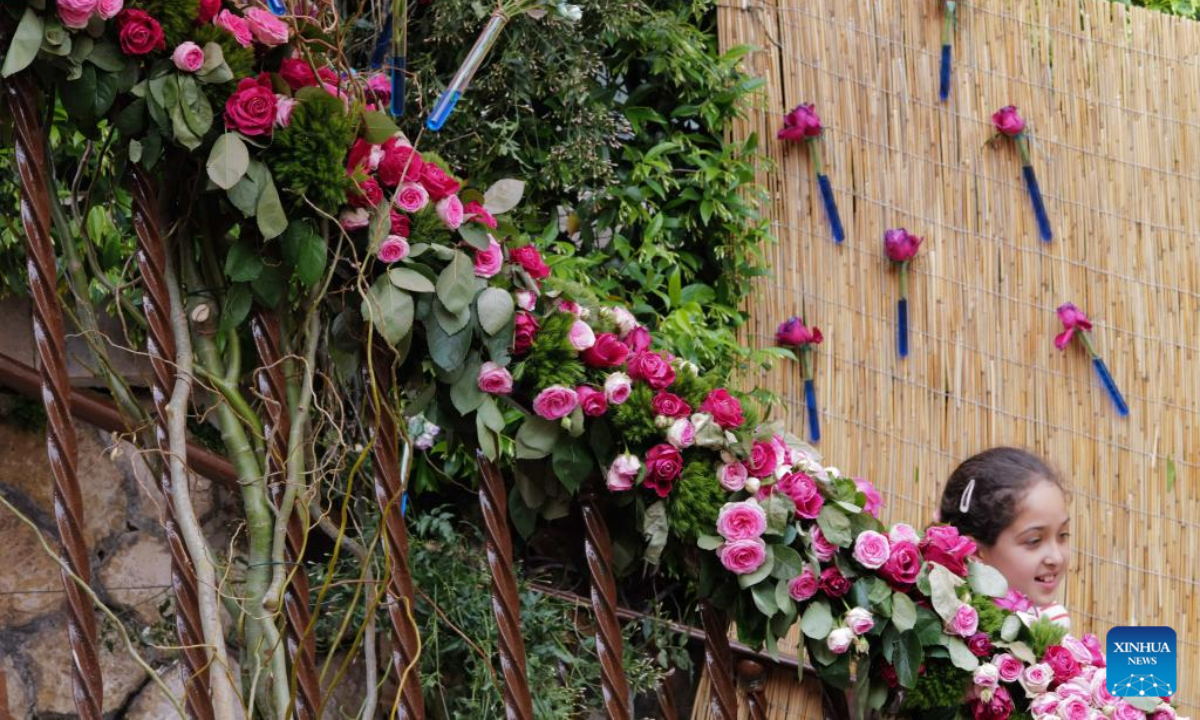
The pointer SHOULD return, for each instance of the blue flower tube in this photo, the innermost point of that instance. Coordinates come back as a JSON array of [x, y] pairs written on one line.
[[458, 85], [902, 329], [1110, 385], [398, 64], [277, 7], [1035, 192], [947, 50], [810, 403], [831, 211]]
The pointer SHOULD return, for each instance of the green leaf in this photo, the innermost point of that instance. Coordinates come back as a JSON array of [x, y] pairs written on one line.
[[536, 438], [131, 121], [572, 464], [904, 612], [817, 621], [503, 195], [447, 350], [270, 286], [236, 307], [389, 309], [243, 264], [465, 394], [196, 111], [450, 322], [228, 161], [907, 655], [305, 250], [181, 130], [1145, 704], [409, 279], [475, 235], [79, 96], [1022, 652], [709, 542], [456, 283], [151, 149], [107, 56], [493, 419], [987, 580], [961, 655], [495, 309], [788, 563], [674, 287], [655, 530], [106, 93], [214, 70], [487, 438], [244, 195], [942, 583], [764, 598], [25, 44], [764, 570], [780, 510], [378, 127], [269, 212], [1011, 628], [835, 526]]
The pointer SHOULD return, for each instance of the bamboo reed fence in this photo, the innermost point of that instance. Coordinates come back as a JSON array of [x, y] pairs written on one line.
[[1112, 95]]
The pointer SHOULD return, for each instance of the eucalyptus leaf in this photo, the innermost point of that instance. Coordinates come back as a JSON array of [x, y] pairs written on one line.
[[475, 235], [987, 580], [409, 279], [451, 323], [496, 309], [961, 655], [904, 612], [655, 530], [536, 438], [228, 161], [25, 44], [456, 283], [835, 526], [269, 212], [493, 419], [465, 394], [942, 583], [709, 542], [763, 595], [389, 309], [378, 127], [446, 350], [503, 195], [244, 195], [817, 620], [572, 463], [1011, 628]]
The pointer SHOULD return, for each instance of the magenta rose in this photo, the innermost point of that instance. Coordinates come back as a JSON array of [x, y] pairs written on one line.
[[207, 11], [1009, 667], [250, 110], [297, 73], [1093, 645], [638, 339], [400, 164], [76, 13], [528, 257], [874, 499], [902, 566], [980, 645], [393, 249], [998, 708], [823, 549], [804, 492], [803, 586], [450, 212], [670, 405], [592, 401], [965, 622], [437, 182], [732, 476], [365, 194], [140, 34], [793, 333], [1074, 320], [664, 463], [188, 57], [834, 583], [267, 29], [379, 89], [494, 379], [412, 197], [800, 124], [741, 520], [489, 262], [943, 545], [871, 549], [555, 402], [1014, 601], [1062, 663], [475, 212], [743, 557], [1008, 121], [617, 387], [525, 330], [900, 245], [607, 351], [763, 460], [724, 408], [400, 223], [651, 367], [235, 26]]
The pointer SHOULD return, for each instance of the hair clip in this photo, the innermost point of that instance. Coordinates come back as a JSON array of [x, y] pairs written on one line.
[[964, 503]]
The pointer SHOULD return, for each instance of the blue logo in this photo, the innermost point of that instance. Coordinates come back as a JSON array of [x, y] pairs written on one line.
[[1141, 662]]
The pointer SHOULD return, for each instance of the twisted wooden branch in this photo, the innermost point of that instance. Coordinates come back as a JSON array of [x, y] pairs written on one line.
[[753, 678], [609, 642], [718, 662], [32, 165]]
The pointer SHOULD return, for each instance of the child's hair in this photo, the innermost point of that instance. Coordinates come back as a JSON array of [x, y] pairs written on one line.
[[984, 493]]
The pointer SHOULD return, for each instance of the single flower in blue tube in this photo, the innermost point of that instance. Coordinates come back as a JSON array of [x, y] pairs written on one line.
[[803, 124], [1008, 122], [1076, 324], [901, 247], [948, 22], [792, 333]]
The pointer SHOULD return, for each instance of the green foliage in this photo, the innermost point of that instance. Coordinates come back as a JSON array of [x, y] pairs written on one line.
[[239, 59], [696, 499], [634, 419], [1182, 8], [310, 152], [177, 17], [21, 412], [552, 360], [693, 387], [991, 618], [1043, 633], [940, 686]]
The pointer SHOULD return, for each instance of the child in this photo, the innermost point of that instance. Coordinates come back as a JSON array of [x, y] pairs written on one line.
[[1015, 509]]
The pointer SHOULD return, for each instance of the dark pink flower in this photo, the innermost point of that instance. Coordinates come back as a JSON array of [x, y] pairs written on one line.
[[800, 124], [834, 583], [653, 368], [437, 182], [900, 245], [1062, 662], [943, 545], [980, 645], [592, 401], [476, 212], [1008, 121], [902, 566], [525, 329], [792, 332], [725, 409], [607, 351], [528, 257], [998, 708], [671, 405], [250, 110], [297, 73], [763, 460], [1014, 601], [139, 33], [1073, 320], [664, 463]]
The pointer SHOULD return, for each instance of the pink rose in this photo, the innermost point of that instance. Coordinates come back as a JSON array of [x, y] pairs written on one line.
[[823, 549], [494, 379], [207, 11], [283, 110], [400, 223], [379, 89], [581, 336], [803, 586], [763, 460], [401, 164], [437, 182], [412, 198], [903, 532], [793, 333], [623, 473], [743, 557], [592, 401], [681, 434], [874, 499], [1062, 662], [489, 262], [1075, 688], [297, 73], [1009, 666], [980, 645], [638, 339], [617, 387], [626, 322], [902, 566], [555, 402], [1125, 711], [474, 212], [188, 57], [1092, 643], [355, 219], [1037, 678], [725, 409], [859, 620], [1014, 601], [366, 193], [109, 9], [1074, 320], [804, 492], [1078, 650], [569, 306], [651, 367], [528, 257], [267, 29], [741, 520], [250, 110], [1073, 708], [525, 330], [800, 124], [900, 245], [871, 549], [526, 300], [450, 211], [834, 583], [986, 675], [1000, 707], [839, 640], [1046, 703], [943, 545], [76, 13], [235, 26], [393, 248], [607, 351], [1008, 121], [670, 405], [1164, 712], [732, 476], [964, 623], [139, 33], [664, 463]]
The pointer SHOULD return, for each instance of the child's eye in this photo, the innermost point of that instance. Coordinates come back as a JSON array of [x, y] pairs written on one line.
[[1033, 541], [1065, 535]]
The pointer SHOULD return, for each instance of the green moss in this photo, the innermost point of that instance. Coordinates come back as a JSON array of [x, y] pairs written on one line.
[[634, 419], [695, 501], [552, 360], [1043, 633], [991, 618], [692, 387], [941, 686], [310, 153], [239, 59]]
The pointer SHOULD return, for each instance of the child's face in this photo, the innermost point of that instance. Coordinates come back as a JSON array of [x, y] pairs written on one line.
[[1034, 551]]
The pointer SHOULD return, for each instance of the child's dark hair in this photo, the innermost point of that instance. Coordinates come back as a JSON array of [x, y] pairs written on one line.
[[983, 495]]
